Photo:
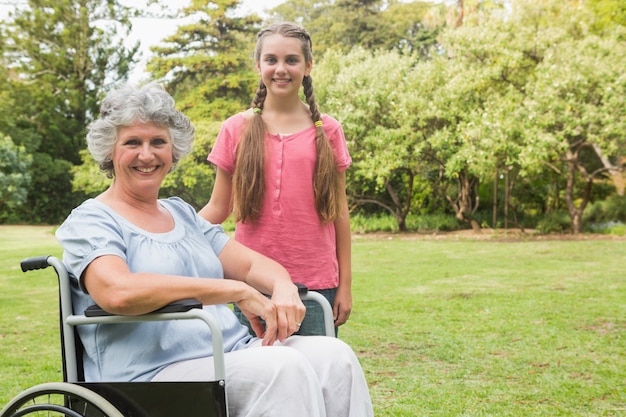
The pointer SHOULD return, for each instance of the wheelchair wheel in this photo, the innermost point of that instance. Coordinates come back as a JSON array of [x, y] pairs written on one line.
[[56, 399]]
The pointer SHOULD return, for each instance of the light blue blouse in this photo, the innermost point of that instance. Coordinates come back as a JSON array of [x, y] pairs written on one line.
[[138, 351]]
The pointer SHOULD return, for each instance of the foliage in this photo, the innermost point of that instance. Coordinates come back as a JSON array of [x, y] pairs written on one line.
[[207, 63], [14, 176], [437, 100], [370, 24], [577, 102], [609, 15], [555, 222], [495, 98], [64, 60], [363, 222], [492, 76], [372, 223], [51, 180], [367, 93], [193, 178], [611, 228], [207, 67], [87, 177], [61, 55], [607, 211]]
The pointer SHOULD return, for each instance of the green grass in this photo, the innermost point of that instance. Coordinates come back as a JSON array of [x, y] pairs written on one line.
[[442, 327], [29, 340], [479, 328]]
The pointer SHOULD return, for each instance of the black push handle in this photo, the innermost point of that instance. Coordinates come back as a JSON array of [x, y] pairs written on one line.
[[37, 262], [302, 289]]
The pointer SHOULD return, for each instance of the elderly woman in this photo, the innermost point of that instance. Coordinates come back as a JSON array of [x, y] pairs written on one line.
[[131, 253]]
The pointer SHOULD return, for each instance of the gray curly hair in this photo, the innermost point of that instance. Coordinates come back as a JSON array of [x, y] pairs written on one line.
[[125, 106]]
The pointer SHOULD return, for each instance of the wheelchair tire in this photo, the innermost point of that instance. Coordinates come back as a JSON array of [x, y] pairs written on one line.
[[56, 399]]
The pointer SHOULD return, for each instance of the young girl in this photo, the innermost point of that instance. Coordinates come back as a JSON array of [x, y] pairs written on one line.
[[281, 169]]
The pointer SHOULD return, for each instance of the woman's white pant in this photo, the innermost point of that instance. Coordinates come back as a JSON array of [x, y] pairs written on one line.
[[306, 376]]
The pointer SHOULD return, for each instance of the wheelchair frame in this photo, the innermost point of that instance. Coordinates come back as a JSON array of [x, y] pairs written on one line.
[[75, 398]]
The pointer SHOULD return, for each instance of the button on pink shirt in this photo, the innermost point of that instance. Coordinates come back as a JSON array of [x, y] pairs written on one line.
[[288, 229]]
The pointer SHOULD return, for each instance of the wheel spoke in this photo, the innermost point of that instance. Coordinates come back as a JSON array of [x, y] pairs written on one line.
[[59, 400]]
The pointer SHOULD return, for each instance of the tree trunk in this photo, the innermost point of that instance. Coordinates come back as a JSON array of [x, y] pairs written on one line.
[[401, 224], [465, 204], [506, 199], [576, 222], [461, 13], [575, 212], [494, 221], [401, 208]]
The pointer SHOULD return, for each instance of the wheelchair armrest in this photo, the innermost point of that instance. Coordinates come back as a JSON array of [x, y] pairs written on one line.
[[189, 313], [175, 307], [329, 320]]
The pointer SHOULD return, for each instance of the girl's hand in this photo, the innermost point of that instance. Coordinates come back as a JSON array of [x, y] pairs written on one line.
[[343, 305]]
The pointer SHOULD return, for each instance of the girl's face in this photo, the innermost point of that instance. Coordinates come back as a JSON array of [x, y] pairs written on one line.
[[282, 65], [142, 157]]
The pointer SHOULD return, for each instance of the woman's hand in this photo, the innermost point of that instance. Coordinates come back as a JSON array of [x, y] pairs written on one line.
[[290, 310], [284, 312], [261, 306]]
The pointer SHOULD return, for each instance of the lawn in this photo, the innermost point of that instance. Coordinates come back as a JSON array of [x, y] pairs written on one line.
[[443, 327]]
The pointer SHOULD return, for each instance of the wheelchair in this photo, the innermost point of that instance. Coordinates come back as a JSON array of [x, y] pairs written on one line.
[[76, 398]]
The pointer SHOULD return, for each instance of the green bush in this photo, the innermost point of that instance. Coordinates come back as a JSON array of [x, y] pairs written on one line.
[[557, 222], [608, 217], [438, 222], [441, 222], [611, 209], [363, 223]]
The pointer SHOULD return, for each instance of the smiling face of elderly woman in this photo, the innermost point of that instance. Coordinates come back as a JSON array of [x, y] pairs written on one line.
[[128, 106], [142, 157]]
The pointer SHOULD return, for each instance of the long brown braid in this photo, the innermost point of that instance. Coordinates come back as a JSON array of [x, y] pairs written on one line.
[[249, 179]]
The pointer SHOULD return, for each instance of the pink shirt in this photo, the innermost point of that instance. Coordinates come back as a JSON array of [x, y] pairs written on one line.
[[289, 229]]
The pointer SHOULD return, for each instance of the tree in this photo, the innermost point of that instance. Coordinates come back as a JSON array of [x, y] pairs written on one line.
[[63, 54], [406, 118], [608, 14], [578, 102], [560, 86], [367, 92], [448, 97], [194, 177], [14, 176], [207, 67], [87, 177], [207, 63], [412, 26], [371, 24], [493, 100]]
